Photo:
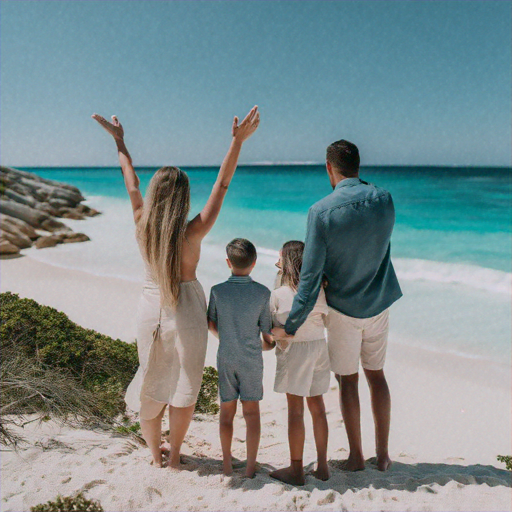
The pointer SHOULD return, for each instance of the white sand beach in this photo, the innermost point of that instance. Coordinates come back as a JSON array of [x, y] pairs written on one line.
[[450, 418]]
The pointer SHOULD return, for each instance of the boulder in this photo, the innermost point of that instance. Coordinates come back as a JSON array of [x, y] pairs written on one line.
[[50, 224], [75, 237], [59, 203], [23, 212], [18, 239], [70, 213], [15, 225], [7, 247], [46, 208], [87, 210], [48, 241], [19, 198]]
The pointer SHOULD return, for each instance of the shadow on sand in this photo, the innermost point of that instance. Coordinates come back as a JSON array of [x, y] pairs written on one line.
[[401, 476]]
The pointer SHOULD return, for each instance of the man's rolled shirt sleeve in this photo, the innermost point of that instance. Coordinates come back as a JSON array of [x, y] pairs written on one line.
[[313, 262]]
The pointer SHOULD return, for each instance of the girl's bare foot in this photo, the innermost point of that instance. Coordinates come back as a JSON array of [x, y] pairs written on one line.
[[250, 471], [165, 447], [289, 476]]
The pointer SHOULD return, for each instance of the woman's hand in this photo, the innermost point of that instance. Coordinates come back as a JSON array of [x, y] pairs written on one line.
[[241, 132], [115, 128]]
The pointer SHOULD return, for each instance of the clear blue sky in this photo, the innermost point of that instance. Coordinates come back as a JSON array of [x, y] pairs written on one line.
[[410, 82]]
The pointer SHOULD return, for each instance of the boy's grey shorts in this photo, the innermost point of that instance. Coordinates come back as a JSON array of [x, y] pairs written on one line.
[[244, 382]]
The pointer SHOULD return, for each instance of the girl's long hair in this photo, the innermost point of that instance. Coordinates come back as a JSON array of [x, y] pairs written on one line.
[[291, 261], [161, 229]]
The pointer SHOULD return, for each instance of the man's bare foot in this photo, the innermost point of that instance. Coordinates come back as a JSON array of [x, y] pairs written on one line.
[[289, 476], [321, 472], [352, 464], [384, 463]]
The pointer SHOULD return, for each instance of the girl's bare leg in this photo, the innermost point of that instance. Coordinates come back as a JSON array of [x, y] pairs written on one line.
[[152, 433], [294, 474], [227, 415], [251, 410], [179, 421], [321, 431]]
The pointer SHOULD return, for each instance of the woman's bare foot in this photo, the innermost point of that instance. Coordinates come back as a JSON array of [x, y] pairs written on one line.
[[289, 475], [174, 461], [352, 464], [321, 472], [384, 463]]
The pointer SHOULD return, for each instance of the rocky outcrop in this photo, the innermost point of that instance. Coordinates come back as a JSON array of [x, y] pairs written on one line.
[[28, 207]]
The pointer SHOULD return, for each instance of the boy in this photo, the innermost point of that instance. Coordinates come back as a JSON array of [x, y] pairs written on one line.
[[238, 312]]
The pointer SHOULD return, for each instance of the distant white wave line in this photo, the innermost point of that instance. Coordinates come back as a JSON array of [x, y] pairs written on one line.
[[474, 276]]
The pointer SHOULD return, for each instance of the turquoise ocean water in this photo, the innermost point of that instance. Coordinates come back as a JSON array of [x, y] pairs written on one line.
[[451, 244]]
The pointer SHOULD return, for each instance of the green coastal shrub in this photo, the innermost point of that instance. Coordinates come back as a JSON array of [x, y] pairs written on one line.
[[507, 460], [76, 503], [99, 363], [207, 398]]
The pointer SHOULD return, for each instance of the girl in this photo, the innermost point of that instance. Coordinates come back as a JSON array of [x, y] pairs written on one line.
[[172, 329], [303, 368]]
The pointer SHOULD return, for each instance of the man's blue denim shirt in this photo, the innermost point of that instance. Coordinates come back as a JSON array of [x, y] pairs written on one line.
[[348, 243]]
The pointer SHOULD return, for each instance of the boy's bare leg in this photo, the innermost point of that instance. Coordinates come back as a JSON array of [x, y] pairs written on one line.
[[179, 421], [152, 433], [251, 410], [381, 408], [294, 474], [321, 431], [351, 412], [227, 415]]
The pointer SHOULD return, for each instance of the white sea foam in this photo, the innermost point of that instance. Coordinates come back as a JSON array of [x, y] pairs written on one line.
[[492, 280]]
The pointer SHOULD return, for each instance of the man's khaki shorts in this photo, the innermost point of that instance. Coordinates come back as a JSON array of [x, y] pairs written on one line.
[[350, 339]]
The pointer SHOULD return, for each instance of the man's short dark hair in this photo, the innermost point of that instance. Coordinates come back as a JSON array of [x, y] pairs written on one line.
[[241, 253], [344, 157]]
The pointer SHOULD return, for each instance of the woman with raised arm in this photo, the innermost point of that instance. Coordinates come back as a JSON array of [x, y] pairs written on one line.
[[172, 329]]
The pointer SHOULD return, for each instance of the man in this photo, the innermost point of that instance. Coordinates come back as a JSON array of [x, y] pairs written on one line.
[[348, 243]]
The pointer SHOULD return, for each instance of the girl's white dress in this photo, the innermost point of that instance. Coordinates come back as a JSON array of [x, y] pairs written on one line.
[[172, 357], [303, 368]]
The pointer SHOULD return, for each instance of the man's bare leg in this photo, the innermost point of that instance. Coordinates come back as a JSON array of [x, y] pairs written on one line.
[[381, 408], [294, 474], [179, 421], [227, 415], [251, 411], [351, 412], [152, 434], [321, 431]]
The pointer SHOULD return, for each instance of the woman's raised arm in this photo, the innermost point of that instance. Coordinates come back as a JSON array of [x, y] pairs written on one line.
[[131, 180], [204, 221]]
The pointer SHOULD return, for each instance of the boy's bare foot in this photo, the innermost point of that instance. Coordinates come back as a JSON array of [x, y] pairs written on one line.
[[352, 464], [321, 472], [384, 463], [289, 476], [227, 468]]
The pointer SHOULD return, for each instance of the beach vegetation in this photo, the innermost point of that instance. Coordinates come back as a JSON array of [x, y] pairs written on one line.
[[207, 398], [52, 367], [69, 504], [507, 460]]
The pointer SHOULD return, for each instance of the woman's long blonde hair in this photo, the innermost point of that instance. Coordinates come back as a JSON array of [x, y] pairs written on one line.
[[161, 229]]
